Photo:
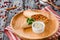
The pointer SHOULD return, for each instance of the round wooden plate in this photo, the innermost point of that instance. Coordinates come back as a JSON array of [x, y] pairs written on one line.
[[19, 18]]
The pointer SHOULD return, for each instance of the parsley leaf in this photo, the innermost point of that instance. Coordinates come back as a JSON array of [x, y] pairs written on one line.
[[30, 21]]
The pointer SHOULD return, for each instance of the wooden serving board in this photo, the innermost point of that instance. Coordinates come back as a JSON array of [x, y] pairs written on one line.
[[19, 18]]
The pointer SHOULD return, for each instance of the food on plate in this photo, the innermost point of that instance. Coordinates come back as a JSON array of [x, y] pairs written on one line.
[[29, 13], [38, 27], [25, 24], [41, 15], [30, 21], [34, 15]]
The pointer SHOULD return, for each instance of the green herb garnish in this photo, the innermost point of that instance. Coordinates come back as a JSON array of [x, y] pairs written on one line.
[[30, 20]]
